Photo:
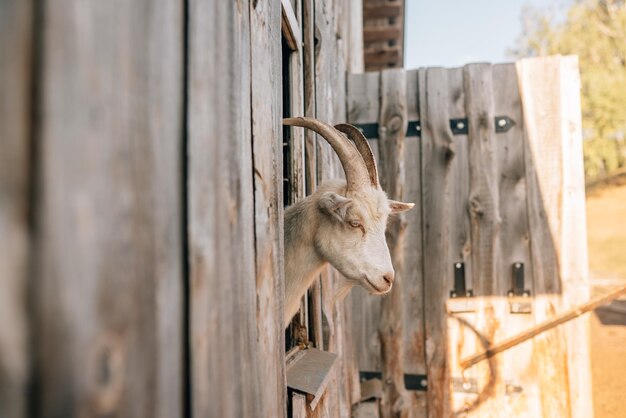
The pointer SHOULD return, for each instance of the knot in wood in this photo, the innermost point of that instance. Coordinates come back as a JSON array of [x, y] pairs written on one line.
[[106, 373], [395, 123]]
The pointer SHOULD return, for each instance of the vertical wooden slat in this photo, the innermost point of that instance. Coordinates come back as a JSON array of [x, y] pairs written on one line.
[[574, 260], [16, 49], [515, 242], [363, 98], [392, 130], [437, 155], [265, 21], [221, 215], [461, 333], [549, 88], [485, 224], [108, 296], [413, 283], [544, 179]]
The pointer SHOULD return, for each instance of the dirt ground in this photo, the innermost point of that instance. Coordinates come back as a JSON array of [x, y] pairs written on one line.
[[608, 358], [606, 223]]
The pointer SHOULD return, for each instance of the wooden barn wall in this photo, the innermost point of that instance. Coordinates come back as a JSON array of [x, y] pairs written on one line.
[[142, 202]]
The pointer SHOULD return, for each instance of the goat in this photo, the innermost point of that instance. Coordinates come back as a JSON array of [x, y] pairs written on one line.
[[343, 223]]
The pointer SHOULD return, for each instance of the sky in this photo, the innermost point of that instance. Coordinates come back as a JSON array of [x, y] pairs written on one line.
[[452, 33]]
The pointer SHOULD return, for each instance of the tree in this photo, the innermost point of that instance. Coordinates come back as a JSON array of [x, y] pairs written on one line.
[[595, 30]]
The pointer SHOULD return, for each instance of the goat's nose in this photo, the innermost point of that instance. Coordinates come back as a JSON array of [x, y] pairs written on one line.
[[388, 278]]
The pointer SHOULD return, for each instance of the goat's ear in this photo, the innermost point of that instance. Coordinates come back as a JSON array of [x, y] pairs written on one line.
[[334, 205], [397, 207]]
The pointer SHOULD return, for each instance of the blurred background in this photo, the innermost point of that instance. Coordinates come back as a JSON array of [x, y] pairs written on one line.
[[595, 31]]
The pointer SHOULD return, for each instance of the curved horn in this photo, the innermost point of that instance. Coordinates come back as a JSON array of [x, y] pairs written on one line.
[[364, 148], [351, 160]]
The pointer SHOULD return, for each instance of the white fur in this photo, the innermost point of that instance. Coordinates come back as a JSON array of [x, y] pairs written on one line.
[[318, 231]]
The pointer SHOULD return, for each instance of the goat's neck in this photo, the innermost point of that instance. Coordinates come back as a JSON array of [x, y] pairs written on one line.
[[302, 262]]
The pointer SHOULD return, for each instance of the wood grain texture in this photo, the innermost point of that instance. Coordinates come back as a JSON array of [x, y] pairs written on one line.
[[438, 153], [549, 92], [222, 254], [485, 224], [413, 280], [363, 106], [461, 330], [392, 128], [516, 363], [109, 275], [268, 200], [16, 125]]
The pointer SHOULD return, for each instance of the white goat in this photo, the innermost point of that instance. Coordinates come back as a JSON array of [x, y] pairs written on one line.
[[343, 223]]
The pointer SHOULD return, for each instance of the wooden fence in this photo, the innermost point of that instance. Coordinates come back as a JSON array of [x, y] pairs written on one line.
[[492, 154]]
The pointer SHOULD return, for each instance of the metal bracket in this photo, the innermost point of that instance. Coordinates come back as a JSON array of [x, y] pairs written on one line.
[[461, 299], [418, 382], [519, 296], [459, 126], [460, 289], [503, 124]]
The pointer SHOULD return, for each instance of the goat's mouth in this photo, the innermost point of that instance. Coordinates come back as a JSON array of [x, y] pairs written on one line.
[[375, 288]]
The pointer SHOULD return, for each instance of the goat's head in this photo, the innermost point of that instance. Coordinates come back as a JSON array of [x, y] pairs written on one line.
[[353, 215]]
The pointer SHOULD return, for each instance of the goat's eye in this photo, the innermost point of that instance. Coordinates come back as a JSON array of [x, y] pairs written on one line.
[[355, 224]]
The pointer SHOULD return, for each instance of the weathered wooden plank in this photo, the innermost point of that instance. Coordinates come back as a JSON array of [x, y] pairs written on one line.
[[573, 258], [296, 108], [310, 372], [108, 339], [461, 336], [413, 284], [16, 125], [382, 57], [437, 154], [549, 92], [310, 165], [544, 179], [380, 34], [363, 106], [223, 287], [290, 26], [514, 242], [330, 82], [298, 405], [382, 10], [268, 200], [354, 46], [485, 224], [393, 122]]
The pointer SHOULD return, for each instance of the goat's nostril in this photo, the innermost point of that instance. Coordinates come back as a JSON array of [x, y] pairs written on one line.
[[388, 278]]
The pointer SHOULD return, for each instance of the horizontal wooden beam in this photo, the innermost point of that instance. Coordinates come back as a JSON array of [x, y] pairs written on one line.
[[382, 34], [543, 327], [378, 11], [386, 56]]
